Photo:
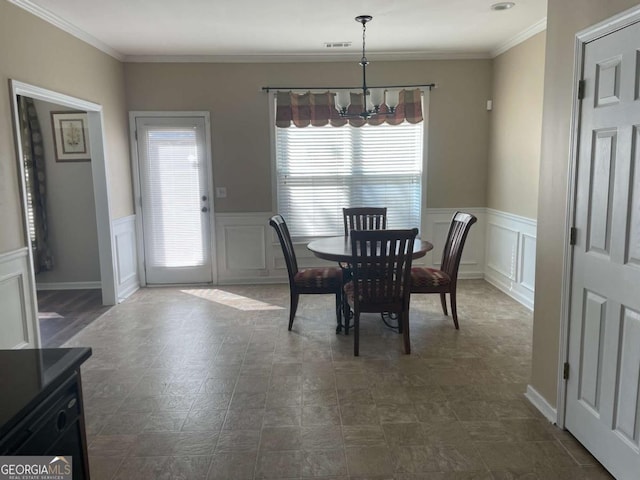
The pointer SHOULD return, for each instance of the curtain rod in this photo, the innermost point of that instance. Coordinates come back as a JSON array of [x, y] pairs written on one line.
[[428, 85]]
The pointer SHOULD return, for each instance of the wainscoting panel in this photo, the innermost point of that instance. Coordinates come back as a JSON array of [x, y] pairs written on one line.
[[500, 247], [244, 247], [19, 320], [124, 241], [527, 270], [511, 255]]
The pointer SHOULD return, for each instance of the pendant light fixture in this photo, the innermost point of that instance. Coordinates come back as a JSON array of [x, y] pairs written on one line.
[[371, 99]]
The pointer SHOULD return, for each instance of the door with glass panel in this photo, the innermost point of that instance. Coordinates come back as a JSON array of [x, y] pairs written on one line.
[[174, 179]]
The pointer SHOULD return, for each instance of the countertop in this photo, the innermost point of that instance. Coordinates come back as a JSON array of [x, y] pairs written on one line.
[[28, 376]]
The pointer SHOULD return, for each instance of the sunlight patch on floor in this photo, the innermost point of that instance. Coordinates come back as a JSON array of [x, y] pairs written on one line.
[[48, 315], [232, 300]]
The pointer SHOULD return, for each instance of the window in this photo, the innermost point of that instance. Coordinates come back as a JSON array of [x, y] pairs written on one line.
[[320, 170]]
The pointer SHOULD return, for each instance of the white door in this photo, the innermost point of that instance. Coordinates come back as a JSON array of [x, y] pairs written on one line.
[[603, 389], [174, 171]]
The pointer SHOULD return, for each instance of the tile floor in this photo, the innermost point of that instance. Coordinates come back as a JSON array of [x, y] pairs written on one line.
[[209, 384]]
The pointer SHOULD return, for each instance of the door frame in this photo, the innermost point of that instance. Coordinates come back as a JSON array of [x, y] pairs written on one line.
[[206, 116], [594, 32], [99, 177]]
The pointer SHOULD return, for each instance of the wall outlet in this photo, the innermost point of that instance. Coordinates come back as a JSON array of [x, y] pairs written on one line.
[[221, 192]]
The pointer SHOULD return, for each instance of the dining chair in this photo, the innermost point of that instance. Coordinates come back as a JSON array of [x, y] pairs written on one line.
[[309, 280], [359, 218], [381, 269], [443, 281], [364, 218]]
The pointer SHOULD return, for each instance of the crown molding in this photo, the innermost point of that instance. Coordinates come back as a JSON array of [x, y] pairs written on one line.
[[71, 29], [534, 29], [62, 24], [293, 58]]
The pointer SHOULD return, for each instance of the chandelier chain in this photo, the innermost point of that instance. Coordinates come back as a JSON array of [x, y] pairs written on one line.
[[364, 31]]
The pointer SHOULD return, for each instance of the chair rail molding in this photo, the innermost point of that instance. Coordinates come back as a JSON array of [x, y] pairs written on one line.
[[19, 326], [510, 247]]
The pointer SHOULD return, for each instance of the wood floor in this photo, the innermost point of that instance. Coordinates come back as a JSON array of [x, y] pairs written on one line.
[[63, 313]]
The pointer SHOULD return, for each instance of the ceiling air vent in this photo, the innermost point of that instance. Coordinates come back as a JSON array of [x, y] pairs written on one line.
[[337, 44]]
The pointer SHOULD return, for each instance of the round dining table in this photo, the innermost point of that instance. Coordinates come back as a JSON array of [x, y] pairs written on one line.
[[338, 249]]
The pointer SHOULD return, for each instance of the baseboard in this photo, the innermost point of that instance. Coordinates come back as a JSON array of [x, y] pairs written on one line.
[[253, 281], [497, 282], [124, 293], [538, 401], [471, 275], [69, 286]]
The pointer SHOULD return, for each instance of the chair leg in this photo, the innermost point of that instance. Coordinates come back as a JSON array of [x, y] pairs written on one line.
[[454, 310], [356, 334], [346, 314], [443, 301], [292, 308], [338, 311], [404, 321]]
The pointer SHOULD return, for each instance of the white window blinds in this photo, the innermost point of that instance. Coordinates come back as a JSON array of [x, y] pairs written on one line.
[[320, 170], [172, 188]]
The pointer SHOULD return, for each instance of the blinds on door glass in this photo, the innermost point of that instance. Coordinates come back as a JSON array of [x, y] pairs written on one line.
[[320, 170], [172, 201]]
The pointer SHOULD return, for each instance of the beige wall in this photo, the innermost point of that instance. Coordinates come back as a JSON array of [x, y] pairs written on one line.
[[516, 124], [564, 19], [38, 53], [459, 122]]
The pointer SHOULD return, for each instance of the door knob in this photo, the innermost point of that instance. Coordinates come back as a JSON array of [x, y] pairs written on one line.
[[204, 198], [204, 209]]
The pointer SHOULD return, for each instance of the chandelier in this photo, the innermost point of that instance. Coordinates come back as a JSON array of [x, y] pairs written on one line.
[[371, 99]]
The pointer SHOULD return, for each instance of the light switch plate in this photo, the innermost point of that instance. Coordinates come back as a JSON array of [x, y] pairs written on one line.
[[221, 192]]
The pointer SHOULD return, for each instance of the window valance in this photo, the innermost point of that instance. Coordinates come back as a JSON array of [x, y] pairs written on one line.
[[318, 110]]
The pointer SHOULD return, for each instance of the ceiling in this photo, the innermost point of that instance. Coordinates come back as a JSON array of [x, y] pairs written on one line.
[[292, 29]]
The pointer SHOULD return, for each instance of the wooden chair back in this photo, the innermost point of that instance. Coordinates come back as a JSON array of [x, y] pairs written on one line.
[[452, 252], [364, 218], [381, 266], [280, 226]]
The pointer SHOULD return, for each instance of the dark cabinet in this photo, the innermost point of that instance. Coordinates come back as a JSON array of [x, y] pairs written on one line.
[[45, 415]]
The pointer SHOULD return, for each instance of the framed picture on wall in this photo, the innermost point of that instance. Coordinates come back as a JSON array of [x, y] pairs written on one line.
[[71, 136]]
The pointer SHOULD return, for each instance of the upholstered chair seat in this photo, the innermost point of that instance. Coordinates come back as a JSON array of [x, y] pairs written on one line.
[[422, 277], [329, 278]]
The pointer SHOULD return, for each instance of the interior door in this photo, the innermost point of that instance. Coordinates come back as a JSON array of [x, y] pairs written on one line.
[[603, 389], [174, 171]]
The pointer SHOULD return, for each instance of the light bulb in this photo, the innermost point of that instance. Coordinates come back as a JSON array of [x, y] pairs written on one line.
[[392, 98]]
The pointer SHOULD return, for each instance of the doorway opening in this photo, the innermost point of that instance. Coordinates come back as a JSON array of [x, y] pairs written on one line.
[[77, 221]]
